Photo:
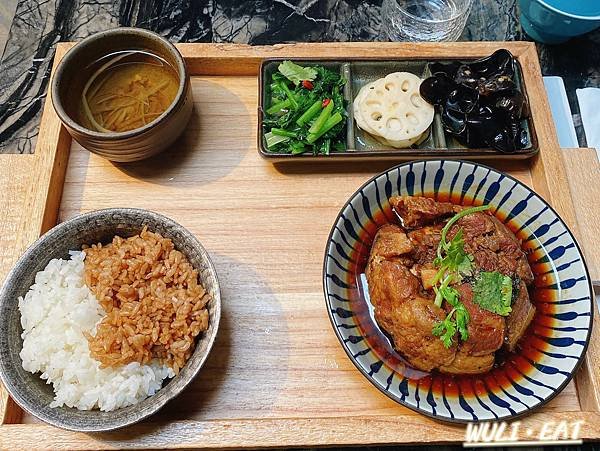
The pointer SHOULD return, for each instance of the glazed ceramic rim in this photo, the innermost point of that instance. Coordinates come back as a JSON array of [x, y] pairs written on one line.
[[391, 395], [70, 57], [465, 11], [566, 14], [160, 401]]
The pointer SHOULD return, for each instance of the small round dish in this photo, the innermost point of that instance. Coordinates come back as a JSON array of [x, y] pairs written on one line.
[[29, 390], [553, 346], [139, 143]]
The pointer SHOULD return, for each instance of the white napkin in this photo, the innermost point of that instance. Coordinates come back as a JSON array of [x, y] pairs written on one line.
[[561, 112], [589, 99]]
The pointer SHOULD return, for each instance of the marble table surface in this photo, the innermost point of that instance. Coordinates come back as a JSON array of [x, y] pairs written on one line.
[[39, 24]]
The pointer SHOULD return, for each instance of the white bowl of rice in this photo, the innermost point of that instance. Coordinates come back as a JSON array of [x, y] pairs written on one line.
[[106, 318]]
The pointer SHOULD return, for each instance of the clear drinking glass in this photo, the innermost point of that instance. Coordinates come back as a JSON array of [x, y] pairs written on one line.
[[424, 20]]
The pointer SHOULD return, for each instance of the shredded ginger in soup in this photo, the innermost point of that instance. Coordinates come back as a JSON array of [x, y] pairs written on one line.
[[126, 91]]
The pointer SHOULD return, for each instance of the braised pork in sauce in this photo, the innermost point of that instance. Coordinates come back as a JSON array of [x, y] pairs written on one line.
[[400, 272]]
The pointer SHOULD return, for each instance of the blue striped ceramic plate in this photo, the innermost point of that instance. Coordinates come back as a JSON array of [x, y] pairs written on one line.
[[553, 346]]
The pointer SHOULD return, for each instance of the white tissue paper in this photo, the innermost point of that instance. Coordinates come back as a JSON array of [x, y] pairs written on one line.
[[561, 112], [589, 101]]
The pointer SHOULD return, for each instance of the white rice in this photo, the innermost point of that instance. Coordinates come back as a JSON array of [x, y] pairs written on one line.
[[56, 311]]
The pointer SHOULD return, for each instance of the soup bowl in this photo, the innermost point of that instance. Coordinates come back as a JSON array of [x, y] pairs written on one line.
[[127, 146], [556, 21]]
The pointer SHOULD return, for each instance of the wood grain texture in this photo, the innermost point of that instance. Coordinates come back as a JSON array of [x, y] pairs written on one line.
[[14, 180], [277, 375], [547, 169], [33, 185], [583, 168], [306, 432], [555, 172], [242, 59]]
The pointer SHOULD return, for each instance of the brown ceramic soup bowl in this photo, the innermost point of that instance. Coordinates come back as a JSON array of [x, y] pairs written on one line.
[[74, 71]]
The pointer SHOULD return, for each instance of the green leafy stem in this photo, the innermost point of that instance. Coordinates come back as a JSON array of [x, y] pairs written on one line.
[[454, 264]]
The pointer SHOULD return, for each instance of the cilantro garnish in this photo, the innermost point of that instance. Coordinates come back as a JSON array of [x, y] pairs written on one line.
[[443, 246], [452, 260], [457, 319], [454, 264], [493, 291]]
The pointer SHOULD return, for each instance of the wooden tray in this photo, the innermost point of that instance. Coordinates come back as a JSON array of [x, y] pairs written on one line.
[[277, 375]]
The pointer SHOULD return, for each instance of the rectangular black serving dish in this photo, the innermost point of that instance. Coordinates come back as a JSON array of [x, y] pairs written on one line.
[[359, 145]]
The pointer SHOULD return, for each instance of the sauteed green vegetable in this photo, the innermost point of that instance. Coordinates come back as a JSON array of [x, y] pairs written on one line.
[[306, 111]]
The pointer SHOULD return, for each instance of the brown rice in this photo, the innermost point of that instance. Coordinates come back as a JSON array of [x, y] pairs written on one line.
[[155, 306]]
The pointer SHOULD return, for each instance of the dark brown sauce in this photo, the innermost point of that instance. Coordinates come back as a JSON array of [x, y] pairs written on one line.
[[508, 367]]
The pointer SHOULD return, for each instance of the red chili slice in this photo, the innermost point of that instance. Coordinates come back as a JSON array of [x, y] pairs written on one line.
[[325, 102], [307, 84]]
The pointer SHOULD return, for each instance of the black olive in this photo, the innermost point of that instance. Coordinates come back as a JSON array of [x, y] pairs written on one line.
[[435, 89]]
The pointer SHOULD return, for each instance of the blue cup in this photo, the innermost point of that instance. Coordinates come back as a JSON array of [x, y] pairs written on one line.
[[556, 21]]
